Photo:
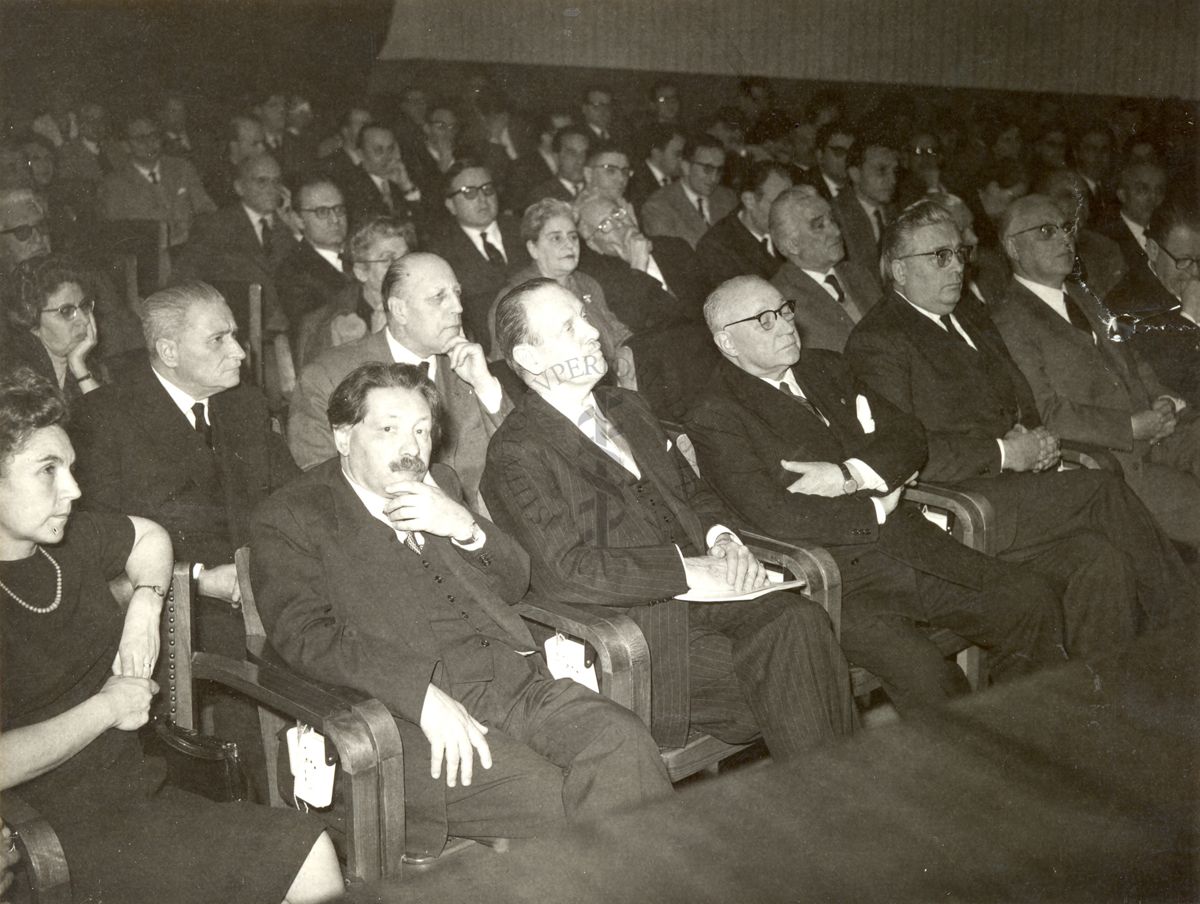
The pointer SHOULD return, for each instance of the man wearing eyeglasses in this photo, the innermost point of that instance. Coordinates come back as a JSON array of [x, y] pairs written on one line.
[[833, 143], [482, 247], [1090, 388], [23, 229], [687, 208], [1165, 298], [798, 451], [865, 208], [931, 349]]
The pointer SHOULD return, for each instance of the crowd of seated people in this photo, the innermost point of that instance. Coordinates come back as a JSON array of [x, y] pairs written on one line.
[[495, 321]]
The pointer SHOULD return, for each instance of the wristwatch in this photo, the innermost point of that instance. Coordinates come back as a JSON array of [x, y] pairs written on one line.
[[849, 484]]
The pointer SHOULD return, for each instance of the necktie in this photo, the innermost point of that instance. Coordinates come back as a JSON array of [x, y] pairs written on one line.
[[803, 402], [878, 226], [201, 423], [413, 540], [953, 330], [1076, 316], [264, 226], [385, 191], [833, 283], [153, 177], [491, 251], [605, 435], [703, 209]]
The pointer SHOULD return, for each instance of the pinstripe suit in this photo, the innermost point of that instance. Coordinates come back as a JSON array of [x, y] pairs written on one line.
[[598, 536]]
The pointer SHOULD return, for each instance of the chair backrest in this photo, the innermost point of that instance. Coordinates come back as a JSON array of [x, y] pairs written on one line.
[[256, 635]]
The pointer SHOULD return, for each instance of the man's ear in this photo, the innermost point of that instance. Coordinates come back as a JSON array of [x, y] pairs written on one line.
[[1010, 247], [725, 343], [449, 202], [527, 358], [167, 351], [898, 272], [748, 199], [341, 439]]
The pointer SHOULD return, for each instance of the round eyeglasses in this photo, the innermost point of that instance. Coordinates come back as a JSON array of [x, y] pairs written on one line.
[[1182, 263], [69, 312], [766, 319], [1047, 231]]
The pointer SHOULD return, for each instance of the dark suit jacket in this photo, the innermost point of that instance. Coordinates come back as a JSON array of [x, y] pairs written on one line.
[[305, 281], [592, 540], [729, 249], [1085, 391], [1116, 230], [861, 245], [1103, 261], [480, 278], [364, 200], [125, 194], [681, 270], [639, 300], [139, 455], [642, 184], [669, 212], [225, 247], [1174, 351], [547, 188], [822, 322], [345, 603], [742, 427]]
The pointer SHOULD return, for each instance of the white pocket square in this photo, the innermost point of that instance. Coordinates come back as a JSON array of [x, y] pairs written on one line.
[[862, 408]]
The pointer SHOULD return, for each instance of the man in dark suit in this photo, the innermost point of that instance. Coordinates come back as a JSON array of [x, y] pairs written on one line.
[[660, 167], [313, 274], [424, 326], [1099, 261], [371, 572], [864, 208], [1165, 298], [538, 164], [798, 451], [740, 243], [687, 208], [380, 186], [584, 478], [1089, 388], [833, 142], [570, 147], [932, 351], [483, 248], [1141, 189]]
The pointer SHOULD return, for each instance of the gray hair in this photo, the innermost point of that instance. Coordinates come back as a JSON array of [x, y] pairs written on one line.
[[375, 230], [539, 213], [783, 218], [165, 312]]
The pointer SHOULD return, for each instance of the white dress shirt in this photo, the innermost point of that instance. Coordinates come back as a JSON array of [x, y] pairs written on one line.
[[1138, 230], [491, 397], [493, 236], [820, 280], [182, 400], [333, 257]]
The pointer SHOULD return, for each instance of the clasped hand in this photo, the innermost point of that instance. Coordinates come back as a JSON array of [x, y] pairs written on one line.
[[1030, 450], [1156, 422], [729, 567], [454, 736], [418, 506], [128, 700], [817, 478]]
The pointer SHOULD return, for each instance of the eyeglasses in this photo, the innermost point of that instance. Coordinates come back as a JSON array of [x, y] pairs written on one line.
[[471, 192], [925, 152], [1047, 231], [25, 232], [943, 256], [337, 211], [441, 124], [71, 311], [625, 171], [376, 260], [766, 319], [1182, 263], [615, 218]]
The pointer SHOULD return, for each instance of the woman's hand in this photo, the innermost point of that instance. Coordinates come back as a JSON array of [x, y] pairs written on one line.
[[128, 701], [138, 650], [77, 357]]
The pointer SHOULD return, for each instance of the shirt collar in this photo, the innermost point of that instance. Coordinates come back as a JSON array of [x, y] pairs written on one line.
[[493, 235], [758, 236], [402, 354], [691, 195], [929, 315], [332, 257], [1052, 297], [1138, 230], [790, 379], [834, 188], [818, 276], [659, 176], [182, 400], [156, 169], [255, 216], [374, 503], [569, 407]]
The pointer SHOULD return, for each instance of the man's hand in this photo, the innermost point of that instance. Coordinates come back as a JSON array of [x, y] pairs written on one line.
[[221, 582], [452, 733], [1152, 424], [1166, 408], [639, 252], [287, 214], [128, 701], [138, 650], [1048, 449], [743, 571], [418, 506], [1023, 448], [818, 478], [470, 363]]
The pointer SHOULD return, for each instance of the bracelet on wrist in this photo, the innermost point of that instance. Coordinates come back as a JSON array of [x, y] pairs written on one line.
[[86, 375]]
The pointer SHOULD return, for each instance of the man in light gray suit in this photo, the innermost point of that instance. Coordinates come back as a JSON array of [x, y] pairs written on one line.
[[686, 208], [424, 326], [830, 292]]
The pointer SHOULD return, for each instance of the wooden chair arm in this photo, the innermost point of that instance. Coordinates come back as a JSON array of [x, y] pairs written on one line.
[[813, 564], [41, 852], [971, 514], [621, 650], [1086, 455]]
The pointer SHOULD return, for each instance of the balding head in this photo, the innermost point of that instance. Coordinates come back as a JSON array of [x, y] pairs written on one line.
[[736, 312], [424, 306], [1039, 240]]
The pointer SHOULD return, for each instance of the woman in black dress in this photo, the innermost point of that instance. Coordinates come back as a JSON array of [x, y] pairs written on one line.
[[76, 685]]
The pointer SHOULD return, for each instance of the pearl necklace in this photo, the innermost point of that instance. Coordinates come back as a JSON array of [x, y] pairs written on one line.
[[57, 589]]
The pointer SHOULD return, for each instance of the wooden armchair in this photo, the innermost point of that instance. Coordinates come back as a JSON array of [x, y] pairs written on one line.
[[42, 858]]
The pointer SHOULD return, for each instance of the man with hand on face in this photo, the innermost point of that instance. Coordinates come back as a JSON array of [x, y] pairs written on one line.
[[424, 327], [800, 452], [584, 478], [371, 572]]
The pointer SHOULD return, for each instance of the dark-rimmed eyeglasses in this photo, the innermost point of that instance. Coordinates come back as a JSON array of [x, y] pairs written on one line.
[[325, 213], [625, 171], [766, 319], [471, 192], [1182, 263], [69, 312], [943, 256], [1047, 231], [25, 231]]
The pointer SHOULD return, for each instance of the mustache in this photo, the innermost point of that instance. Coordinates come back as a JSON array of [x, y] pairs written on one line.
[[408, 464]]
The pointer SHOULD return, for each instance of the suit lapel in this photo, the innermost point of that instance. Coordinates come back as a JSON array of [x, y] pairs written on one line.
[[569, 440], [166, 427]]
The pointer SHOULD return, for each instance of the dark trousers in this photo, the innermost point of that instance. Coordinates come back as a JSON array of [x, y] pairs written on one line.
[[559, 752], [1015, 616], [769, 665]]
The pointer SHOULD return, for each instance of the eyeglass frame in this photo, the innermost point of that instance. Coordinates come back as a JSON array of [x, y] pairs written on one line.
[[325, 212], [39, 227], [964, 253], [471, 192], [607, 222], [787, 310], [1055, 229], [86, 306], [1181, 263], [626, 171]]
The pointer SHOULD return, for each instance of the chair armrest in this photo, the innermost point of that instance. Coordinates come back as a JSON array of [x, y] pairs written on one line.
[[41, 851], [813, 564], [972, 514], [621, 650], [1088, 456]]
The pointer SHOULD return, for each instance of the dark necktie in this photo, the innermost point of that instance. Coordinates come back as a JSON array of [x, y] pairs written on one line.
[[954, 332], [1076, 316], [833, 283], [491, 251], [879, 226], [201, 423], [268, 238], [153, 177], [385, 192], [803, 402], [703, 209]]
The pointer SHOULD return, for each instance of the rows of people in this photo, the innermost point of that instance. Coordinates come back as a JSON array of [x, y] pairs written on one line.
[[486, 343]]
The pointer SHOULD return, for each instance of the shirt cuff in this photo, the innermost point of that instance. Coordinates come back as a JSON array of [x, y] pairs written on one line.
[[1179, 403], [868, 478], [715, 531], [880, 511], [1001, 443], [492, 397]]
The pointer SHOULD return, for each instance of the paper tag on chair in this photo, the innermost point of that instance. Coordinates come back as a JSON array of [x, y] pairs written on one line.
[[941, 519], [313, 777], [566, 659]]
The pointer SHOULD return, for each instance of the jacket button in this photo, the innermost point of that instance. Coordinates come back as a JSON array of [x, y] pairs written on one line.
[[485, 643]]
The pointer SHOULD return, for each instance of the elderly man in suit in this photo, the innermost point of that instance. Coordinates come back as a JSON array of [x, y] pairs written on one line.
[[831, 293], [424, 326], [152, 186], [1141, 188], [373, 572], [864, 207], [583, 477], [740, 244], [1100, 262], [1090, 388], [932, 351], [799, 451], [687, 208], [314, 273], [483, 247], [380, 185]]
